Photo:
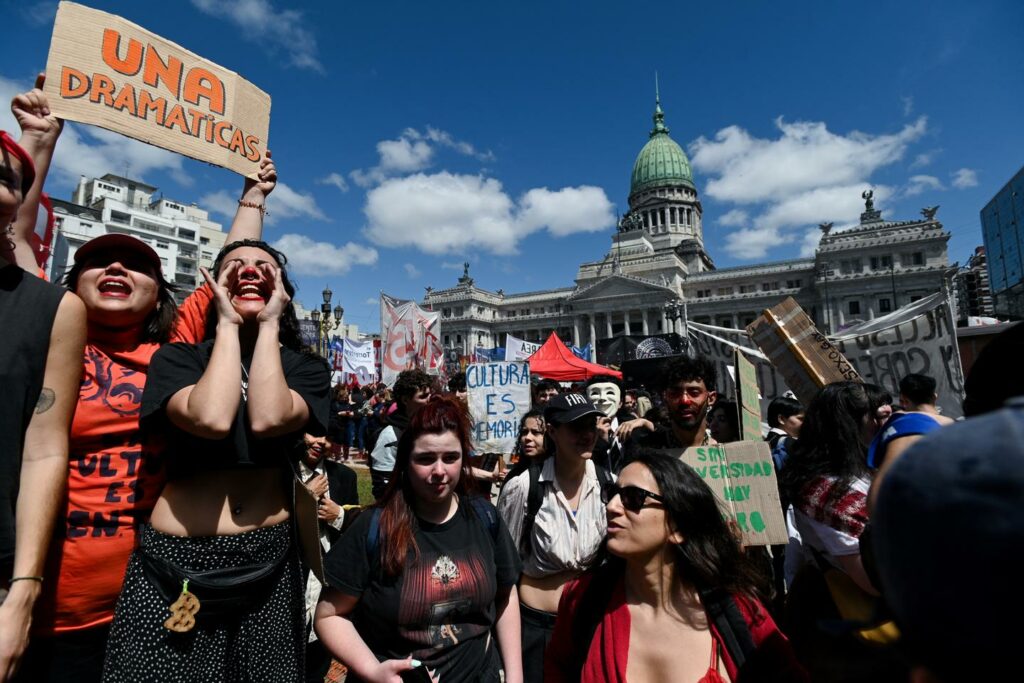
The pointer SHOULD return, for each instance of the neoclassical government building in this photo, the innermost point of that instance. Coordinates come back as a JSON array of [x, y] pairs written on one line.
[[657, 256]]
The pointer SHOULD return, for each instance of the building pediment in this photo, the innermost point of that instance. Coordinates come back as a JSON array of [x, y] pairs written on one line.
[[621, 286]]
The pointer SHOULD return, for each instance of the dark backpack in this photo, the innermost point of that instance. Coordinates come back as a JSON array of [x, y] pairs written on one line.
[[535, 495], [481, 506], [373, 437], [723, 612]]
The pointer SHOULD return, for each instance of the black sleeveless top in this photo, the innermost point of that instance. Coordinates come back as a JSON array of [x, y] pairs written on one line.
[[28, 307]]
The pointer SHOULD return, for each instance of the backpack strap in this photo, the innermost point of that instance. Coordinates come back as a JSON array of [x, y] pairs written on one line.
[[590, 611], [373, 535], [534, 498], [487, 514], [732, 628], [604, 479]]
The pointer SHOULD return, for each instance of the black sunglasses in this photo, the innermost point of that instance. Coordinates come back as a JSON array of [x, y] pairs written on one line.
[[632, 497]]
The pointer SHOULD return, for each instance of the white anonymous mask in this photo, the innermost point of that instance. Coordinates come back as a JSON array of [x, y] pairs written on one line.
[[606, 397]]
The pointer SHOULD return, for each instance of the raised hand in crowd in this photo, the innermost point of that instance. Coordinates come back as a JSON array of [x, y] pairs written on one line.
[[626, 428], [40, 130]]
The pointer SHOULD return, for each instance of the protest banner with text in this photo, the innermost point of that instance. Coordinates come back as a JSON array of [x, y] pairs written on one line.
[[917, 338], [410, 338], [742, 477], [106, 71], [499, 396], [519, 349]]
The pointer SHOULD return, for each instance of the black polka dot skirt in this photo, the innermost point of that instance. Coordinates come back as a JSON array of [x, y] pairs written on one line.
[[266, 644]]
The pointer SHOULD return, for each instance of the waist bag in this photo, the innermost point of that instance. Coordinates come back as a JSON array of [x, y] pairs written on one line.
[[224, 594]]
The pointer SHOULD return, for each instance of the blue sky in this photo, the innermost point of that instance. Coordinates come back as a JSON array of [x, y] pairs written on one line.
[[412, 136]]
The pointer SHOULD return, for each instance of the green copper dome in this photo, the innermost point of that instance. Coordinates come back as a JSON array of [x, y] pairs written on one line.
[[661, 162]]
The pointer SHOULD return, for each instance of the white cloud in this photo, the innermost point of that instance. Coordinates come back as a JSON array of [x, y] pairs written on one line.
[[372, 301], [809, 242], [448, 213], [924, 159], [804, 176], [412, 151], [309, 257], [908, 105], [39, 13], [806, 156], [92, 151], [737, 217], [451, 265], [964, 178], [412, 271], [922, 183], [288, 203], [567, 211], [279, 30], [335, 179], [284, 203]]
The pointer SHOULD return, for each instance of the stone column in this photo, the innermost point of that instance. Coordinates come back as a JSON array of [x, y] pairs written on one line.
[[664, 323], [608, 323], [575, 330], [593, 332], [625, 322], [643, 321]]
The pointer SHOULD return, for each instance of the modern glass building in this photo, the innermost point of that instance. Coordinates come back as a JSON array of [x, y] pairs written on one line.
[[1004, 247]]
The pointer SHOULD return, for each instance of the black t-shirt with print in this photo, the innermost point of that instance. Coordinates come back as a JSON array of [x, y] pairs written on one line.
[[441, 609]]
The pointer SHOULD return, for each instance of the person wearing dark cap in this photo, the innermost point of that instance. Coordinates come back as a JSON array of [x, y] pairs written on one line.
[[948, 546], [115, 475], [554, 509], [44, 332]]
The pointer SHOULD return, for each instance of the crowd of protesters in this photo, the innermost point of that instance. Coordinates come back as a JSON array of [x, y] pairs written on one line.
[[602, 558]]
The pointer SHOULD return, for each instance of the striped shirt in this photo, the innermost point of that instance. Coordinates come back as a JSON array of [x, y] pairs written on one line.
[[562, 539]]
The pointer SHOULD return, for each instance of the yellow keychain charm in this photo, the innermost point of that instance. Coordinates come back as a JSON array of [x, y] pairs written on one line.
[[183, 611]]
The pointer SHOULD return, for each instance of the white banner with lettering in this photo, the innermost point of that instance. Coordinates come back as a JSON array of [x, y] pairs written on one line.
[[519, 349]]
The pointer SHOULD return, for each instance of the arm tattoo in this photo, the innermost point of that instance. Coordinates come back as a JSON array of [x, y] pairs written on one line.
[[46, 400]]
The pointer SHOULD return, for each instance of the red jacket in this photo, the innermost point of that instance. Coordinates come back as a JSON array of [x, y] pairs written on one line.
[[607, 655]]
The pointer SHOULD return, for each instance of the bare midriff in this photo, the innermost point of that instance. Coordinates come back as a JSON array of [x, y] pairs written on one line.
[[221, 503], [544, 593]]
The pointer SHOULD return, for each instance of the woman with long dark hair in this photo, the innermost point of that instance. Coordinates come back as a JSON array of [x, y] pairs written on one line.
[[214, 590], [676, 602], [826, 478], [426, 579]]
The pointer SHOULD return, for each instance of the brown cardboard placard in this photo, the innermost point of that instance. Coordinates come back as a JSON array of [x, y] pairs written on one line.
[[106, 71], [802, 355], [748, 398], [742, 477]]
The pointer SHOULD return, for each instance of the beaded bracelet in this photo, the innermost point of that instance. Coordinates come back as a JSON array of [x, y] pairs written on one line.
[[253, 205], [25, 578]]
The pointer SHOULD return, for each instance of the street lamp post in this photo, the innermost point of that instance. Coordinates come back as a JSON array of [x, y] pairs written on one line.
[[676, 310], [828, 303], [326, 321]]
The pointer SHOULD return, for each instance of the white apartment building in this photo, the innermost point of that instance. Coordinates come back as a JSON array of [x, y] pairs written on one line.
[[182, 234]]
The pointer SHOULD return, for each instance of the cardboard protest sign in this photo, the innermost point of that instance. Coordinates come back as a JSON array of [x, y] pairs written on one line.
[[742, 477], [718, 345], [499, 396], [106, 71], [748, 399], [917, 338], [802, 354]]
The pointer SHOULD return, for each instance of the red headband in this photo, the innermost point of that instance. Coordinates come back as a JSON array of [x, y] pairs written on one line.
[[28, 169]]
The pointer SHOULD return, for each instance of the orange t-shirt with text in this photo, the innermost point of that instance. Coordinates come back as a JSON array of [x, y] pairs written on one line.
[[114, 479]]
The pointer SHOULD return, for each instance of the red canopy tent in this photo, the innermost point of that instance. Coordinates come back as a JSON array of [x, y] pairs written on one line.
[[554, 361]]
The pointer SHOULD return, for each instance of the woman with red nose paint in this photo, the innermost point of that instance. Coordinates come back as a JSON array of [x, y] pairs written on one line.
[[424, 583], [214, 589], [676, 600]]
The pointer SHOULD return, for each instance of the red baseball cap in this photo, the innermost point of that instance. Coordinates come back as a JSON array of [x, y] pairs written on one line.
[[116, 240]]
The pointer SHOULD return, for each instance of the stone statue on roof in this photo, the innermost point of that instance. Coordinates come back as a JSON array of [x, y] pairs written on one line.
[[825, 227], [869, 203], [929, 212]]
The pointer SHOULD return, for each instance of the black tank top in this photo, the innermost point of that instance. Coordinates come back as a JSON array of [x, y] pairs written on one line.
[[28, 306]]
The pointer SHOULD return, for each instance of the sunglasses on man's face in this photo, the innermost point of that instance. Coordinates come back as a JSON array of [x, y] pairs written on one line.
[[632, 497]]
